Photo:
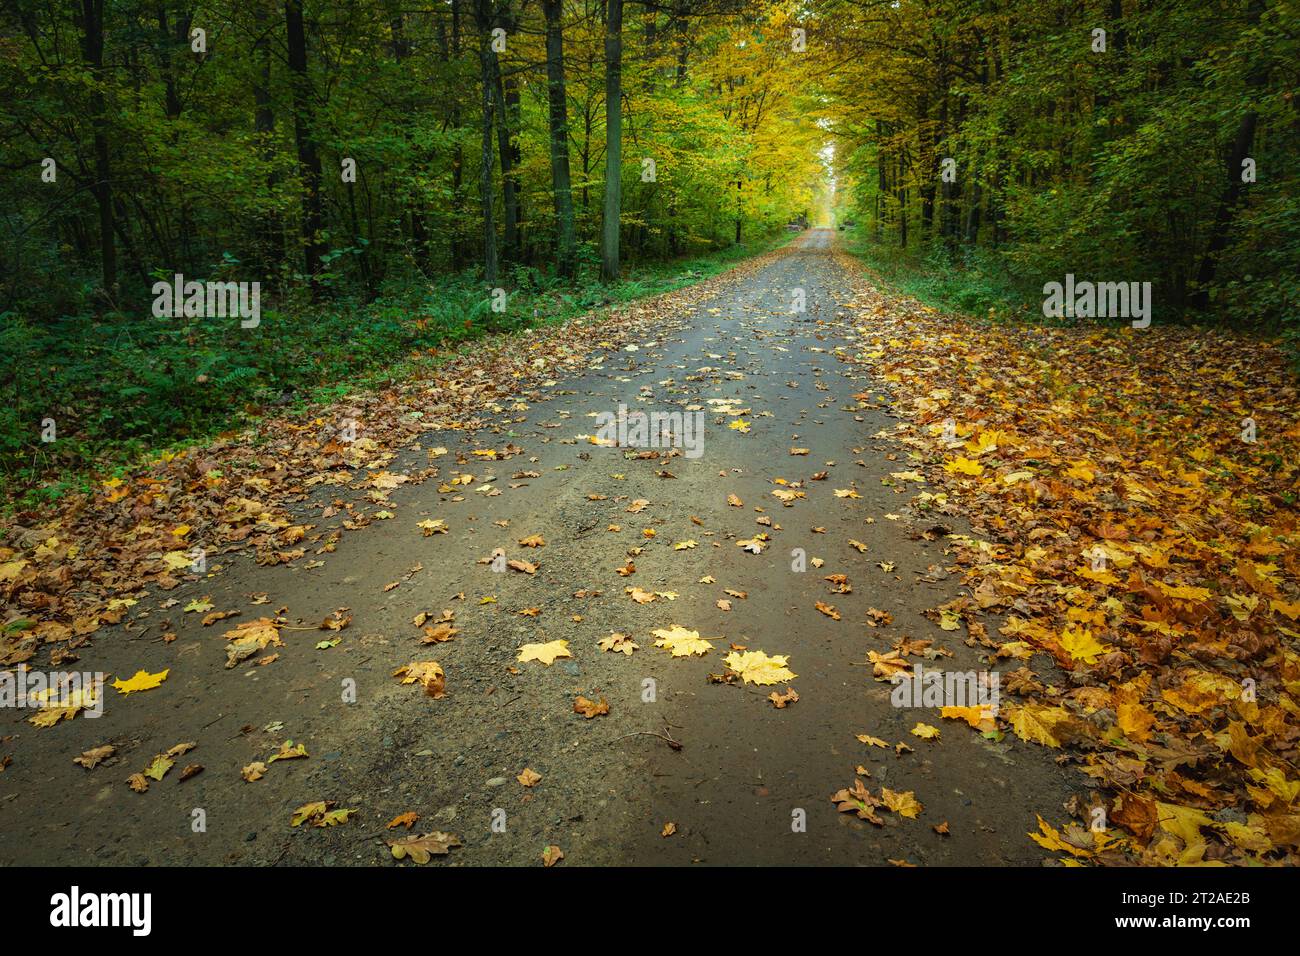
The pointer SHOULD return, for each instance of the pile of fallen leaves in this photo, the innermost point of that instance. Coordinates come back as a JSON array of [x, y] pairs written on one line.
[[1135, 549]]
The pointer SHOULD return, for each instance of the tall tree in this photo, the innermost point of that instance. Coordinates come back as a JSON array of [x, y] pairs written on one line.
[[483, 16], [309, 165], [507, 152], [566, 250], [92, 46], [613, 139]]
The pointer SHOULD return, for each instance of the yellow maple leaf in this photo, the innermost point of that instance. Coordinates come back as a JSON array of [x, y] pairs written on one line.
[[1037, 724], [1081, 645], [1275, 780], [681, 642], [972, 715], [1184, 592], [903, 803], [175, 560], [141, 681], [1291, 610], [963, 466], [546, 653], [755, 667], [1183, 822], [1050, 839]]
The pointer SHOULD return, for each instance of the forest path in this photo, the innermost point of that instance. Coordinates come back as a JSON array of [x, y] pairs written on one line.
[[746, 771]]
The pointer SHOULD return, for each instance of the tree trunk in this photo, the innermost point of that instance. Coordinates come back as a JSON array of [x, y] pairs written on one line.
[[509, 188], [613, 139], [482, 13], [305, 137], [1227, 210], [566, 251], [270, 238], [514, 115], [92, 47], [457, 157], [1242, 143], [401, 47]]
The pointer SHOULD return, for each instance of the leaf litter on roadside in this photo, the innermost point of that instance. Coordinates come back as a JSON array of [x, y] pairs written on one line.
[[1130, 532]]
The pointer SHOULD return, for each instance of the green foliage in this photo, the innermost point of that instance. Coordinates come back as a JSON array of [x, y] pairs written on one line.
[[975, 283], [1122, 164]]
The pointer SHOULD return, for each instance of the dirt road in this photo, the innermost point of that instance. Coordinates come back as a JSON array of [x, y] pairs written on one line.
[[750, 784]]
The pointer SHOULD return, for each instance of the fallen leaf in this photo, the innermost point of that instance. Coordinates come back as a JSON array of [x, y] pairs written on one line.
[[545, 653], [421, 849]]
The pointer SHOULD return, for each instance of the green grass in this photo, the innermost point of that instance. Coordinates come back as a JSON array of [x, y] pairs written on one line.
[[972, 283], [119, 387]]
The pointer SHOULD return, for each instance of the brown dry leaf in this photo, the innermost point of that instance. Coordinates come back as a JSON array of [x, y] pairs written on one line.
[[839, 583], [552, 855], [533, 541], [249, 638], [427, 673], [254, 771], [885, 666], [780, 701], [617, 642], [527, 567], [439, 634], [859, 800], [96, 755], [339, 619], [407, 820], [589, 708], [529, 777], [423, 848], [669, 829], [828, 610]]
